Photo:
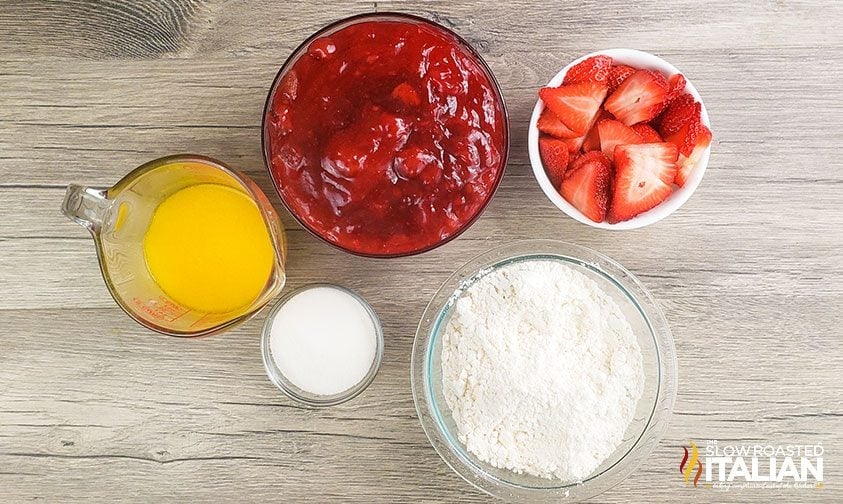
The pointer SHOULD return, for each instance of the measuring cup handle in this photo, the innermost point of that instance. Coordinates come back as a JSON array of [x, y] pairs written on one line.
[[85, 206]]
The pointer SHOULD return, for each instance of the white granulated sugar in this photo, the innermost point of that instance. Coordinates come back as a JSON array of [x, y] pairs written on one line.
[[541, 370]]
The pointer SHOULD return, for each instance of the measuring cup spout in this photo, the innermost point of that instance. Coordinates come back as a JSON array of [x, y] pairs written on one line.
[[86, 206]]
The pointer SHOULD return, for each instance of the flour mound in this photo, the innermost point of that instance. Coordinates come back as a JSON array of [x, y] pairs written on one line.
[[541, 370]]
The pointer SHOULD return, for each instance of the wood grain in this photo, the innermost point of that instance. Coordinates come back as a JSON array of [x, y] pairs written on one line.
[[94, 408]]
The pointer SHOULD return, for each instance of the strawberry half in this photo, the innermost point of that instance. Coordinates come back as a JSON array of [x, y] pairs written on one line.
[[685, 139], [676, 86], [593, 69], [572, 158], [592, 139], [613, 133], [554, 154], [644, 176], [688, 163], [647, 133], [575, 105], [640, 98], [680, 111], [550, 124], [618, 75], [586, 185], [575, 144], [588, 157], [591, 142]]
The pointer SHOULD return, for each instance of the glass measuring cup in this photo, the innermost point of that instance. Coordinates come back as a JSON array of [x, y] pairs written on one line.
[[118, 218]]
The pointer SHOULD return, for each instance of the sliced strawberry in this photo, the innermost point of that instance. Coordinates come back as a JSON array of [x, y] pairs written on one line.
[[554, 154], [660, 78], [572, 158], [591, 142], [575, 144], [586, 186], [613, 133], [593, 69], [406, 94], [676, 86], [640, 98], [686, 138], [647, 133], [644, 176], [588, 157], [550, 124], [575, 105], [680, 111], [618, 75], [687, 164], [592, 139]]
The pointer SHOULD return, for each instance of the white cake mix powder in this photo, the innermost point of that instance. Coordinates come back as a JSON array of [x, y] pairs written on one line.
[[541, 370]]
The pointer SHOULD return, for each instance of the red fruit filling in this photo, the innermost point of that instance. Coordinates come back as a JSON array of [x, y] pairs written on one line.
[[386, 137]]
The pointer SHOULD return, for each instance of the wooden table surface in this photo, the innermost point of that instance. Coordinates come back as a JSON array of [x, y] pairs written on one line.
[[95, 408]]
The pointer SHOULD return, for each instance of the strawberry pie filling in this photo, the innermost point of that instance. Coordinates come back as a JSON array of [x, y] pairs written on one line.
[[386, 137]]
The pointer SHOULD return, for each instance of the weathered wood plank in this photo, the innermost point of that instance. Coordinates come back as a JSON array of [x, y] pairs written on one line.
[[91, 29]]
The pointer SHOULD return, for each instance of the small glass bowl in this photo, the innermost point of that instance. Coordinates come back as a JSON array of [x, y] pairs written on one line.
[[653, 409], [303, 396]]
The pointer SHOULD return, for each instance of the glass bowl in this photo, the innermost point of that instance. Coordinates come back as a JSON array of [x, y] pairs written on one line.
[[334, 27], [276, 376], [653, 409]]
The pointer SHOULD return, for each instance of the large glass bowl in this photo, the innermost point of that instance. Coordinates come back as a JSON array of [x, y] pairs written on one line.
[[383, 17], [653, 410]]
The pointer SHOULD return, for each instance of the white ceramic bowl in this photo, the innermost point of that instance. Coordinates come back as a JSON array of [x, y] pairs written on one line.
[[637, 59]]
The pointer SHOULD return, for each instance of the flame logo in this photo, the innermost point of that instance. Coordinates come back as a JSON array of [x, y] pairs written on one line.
[[686, 467]]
